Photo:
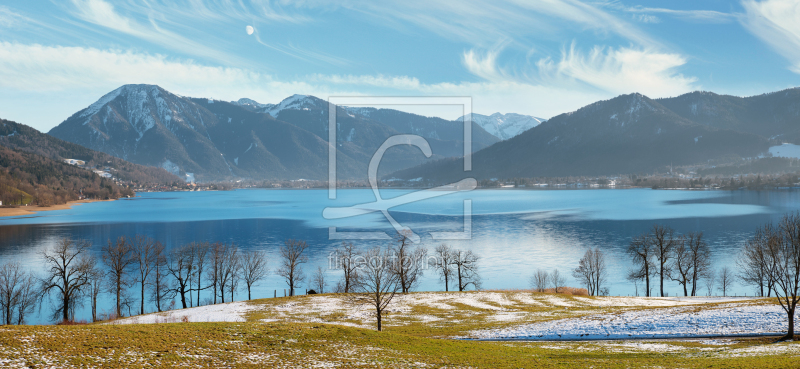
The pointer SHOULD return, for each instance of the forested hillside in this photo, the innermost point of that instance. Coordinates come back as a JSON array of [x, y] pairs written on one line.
[[27, 178], [24, 138]]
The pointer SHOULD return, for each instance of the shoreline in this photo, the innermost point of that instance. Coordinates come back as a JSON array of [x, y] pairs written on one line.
[[28, 210]]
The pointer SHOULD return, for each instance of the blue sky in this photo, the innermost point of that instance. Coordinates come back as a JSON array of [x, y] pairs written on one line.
[[538, 57]]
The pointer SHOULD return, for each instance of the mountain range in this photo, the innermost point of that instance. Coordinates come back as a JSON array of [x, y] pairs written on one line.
[[216, 140], [634, 134], [631, 133]]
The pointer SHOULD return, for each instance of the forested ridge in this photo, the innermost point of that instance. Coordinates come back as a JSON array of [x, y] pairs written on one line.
[[33, 171], [24, 138]]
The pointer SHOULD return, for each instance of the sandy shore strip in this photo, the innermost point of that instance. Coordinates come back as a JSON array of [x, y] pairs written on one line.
[[28, 210]]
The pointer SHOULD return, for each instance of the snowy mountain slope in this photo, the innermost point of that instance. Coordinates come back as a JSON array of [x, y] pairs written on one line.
[[505, 126], [251, 104], [148, 125], [217, 140]]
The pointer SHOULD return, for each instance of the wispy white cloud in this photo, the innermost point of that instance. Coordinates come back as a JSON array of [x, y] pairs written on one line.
[[646, 18], [621, 70], [103, 14], [644, 14], [612, 70], [184, 15], [776, 23], [9, 18], [76, 76]]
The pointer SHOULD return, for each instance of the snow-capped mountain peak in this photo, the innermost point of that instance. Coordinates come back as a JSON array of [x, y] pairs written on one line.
[[294, 102], [250, 103], [505, 126]]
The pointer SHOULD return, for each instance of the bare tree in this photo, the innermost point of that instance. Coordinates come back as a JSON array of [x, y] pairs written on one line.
[[217, 256], [11, 275], [348, 259], [254, 268], [407, 262], [229, 271], [726, 279], [466, 269], [539, 280], [97, 284], [710, 281], [16, 292], [379, 283], [69, 265], [201, 250], [144, 255], [780, 254], [291, 260], [591, 271], [118, 257], [754, 260], [642, 250], [162, 288], [699, 258], [664, 242], [180, 265], [27, 298], [681, 270], [444, 264], [318, 280], [557, 280]]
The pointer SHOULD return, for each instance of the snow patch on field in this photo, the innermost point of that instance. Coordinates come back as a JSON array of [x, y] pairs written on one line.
[[659, 323], [231, 312]]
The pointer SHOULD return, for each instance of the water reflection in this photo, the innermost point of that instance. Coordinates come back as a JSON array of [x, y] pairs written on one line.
[[515, 232]]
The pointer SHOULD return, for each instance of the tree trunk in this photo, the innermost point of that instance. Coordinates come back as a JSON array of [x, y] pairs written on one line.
[[790, 332], [248, 293], [66, 308], [685, 291], [445, 284], [379, 319], [141, 308], [662, 281], [460, 285], [119, 293], [647, 281], [198, 287], [183, 297]]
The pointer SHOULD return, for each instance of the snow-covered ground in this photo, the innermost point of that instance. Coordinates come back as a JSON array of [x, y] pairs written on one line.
[[232, 312], [676, 322], [511, 314]]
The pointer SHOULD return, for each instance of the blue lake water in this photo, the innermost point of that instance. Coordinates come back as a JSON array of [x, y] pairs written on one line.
[[515, 231]]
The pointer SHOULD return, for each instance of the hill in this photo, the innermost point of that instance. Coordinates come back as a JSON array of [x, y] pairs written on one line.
[[627, 134], [27, 178], [21, 137]]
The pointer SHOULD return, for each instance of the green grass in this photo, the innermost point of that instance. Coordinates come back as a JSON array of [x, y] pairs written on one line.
[[305, 345]]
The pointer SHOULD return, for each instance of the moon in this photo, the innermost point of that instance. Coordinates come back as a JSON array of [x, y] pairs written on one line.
[[249, 30]]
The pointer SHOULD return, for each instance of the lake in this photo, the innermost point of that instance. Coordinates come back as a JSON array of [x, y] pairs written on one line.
[[515, 231]]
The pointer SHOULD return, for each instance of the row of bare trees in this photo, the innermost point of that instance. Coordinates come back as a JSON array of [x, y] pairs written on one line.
[[374, 276], [541, 280], [664, 255], [74, 274]]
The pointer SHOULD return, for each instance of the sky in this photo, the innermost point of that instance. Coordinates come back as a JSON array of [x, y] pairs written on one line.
[[536, 57]]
